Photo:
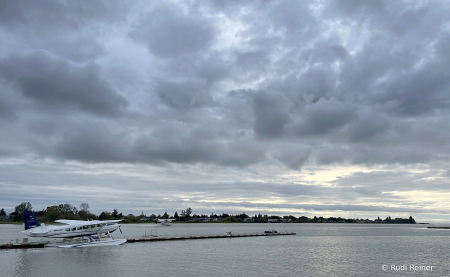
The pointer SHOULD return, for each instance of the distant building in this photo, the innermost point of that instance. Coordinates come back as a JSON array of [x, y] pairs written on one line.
[[7, 218]]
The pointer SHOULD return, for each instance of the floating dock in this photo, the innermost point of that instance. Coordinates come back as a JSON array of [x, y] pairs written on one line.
[[40, 244], [228, 235], [12, 245], [438, 227]]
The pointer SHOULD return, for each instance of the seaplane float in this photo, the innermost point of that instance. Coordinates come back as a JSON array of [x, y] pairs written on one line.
[[76, 233]]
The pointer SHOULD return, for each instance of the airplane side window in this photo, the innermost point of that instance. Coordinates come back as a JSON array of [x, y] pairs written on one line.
[[92, 226], [73, 229], [104, 224], [99, 225], [67, 229], [85, 227], [79, 228]]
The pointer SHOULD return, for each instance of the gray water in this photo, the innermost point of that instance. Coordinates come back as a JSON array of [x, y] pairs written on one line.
[[316, 250]]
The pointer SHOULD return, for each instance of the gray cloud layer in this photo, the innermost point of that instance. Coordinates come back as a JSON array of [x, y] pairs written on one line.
[[281, 87]]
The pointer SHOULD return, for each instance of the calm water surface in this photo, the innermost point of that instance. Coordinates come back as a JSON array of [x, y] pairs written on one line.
[[316, 250]]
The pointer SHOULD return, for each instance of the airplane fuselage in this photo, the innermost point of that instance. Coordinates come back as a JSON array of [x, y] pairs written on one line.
[[71, 230]]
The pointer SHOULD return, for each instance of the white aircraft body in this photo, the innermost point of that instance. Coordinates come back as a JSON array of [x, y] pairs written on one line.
[[73, 229], [164, 222]]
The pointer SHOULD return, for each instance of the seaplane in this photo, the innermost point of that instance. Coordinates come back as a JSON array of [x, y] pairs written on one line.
[[164, 222], [85, 233]]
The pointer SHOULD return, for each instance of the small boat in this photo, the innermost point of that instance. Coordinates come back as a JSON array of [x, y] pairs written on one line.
[[90, 241], [270, 232]]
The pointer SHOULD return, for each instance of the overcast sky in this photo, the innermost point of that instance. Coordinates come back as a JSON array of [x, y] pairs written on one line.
[[326, 108]]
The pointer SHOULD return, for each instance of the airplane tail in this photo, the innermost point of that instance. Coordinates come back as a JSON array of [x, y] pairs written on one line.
[[30, 220]]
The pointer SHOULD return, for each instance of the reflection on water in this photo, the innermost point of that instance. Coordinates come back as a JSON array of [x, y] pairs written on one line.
[[317, 250]]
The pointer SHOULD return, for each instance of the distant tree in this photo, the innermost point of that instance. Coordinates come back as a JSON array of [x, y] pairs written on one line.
[[67, 209], [165, 215], [39, 213], [115, 213], [243, 215], [176, 215], [131, 218], [20, 210], [411, 220], [2, 212], [229, 219], [52, 214], [84, 207], [104, 216], [304, 219], [84, 210], [188, 213]]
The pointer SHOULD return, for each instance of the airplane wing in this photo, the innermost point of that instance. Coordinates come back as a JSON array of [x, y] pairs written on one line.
[[72, 222], [68, 221]]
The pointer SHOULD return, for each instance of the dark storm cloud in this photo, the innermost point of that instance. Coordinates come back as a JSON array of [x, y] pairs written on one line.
[[177, 142], [324, 116], [39, 18], [6, 105], [94, 145], [270, 115], [56, 84], [368, 127], [293, 156], [79, 49], [183, 95], [293, 18], [169, 33], [421, 92], [67, 28], [330, 155]]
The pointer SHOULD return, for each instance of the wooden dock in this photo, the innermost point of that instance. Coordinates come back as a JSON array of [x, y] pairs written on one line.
[[40, 244], [12, 245], [230, 235]]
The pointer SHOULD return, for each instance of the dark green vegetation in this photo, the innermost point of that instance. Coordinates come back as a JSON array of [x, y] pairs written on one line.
[[67, 211]]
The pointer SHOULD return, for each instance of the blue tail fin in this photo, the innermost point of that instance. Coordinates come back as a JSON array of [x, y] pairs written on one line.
[[30, 220]]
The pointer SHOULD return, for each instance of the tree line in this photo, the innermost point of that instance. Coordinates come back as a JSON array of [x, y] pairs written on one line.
[[68, 211]]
